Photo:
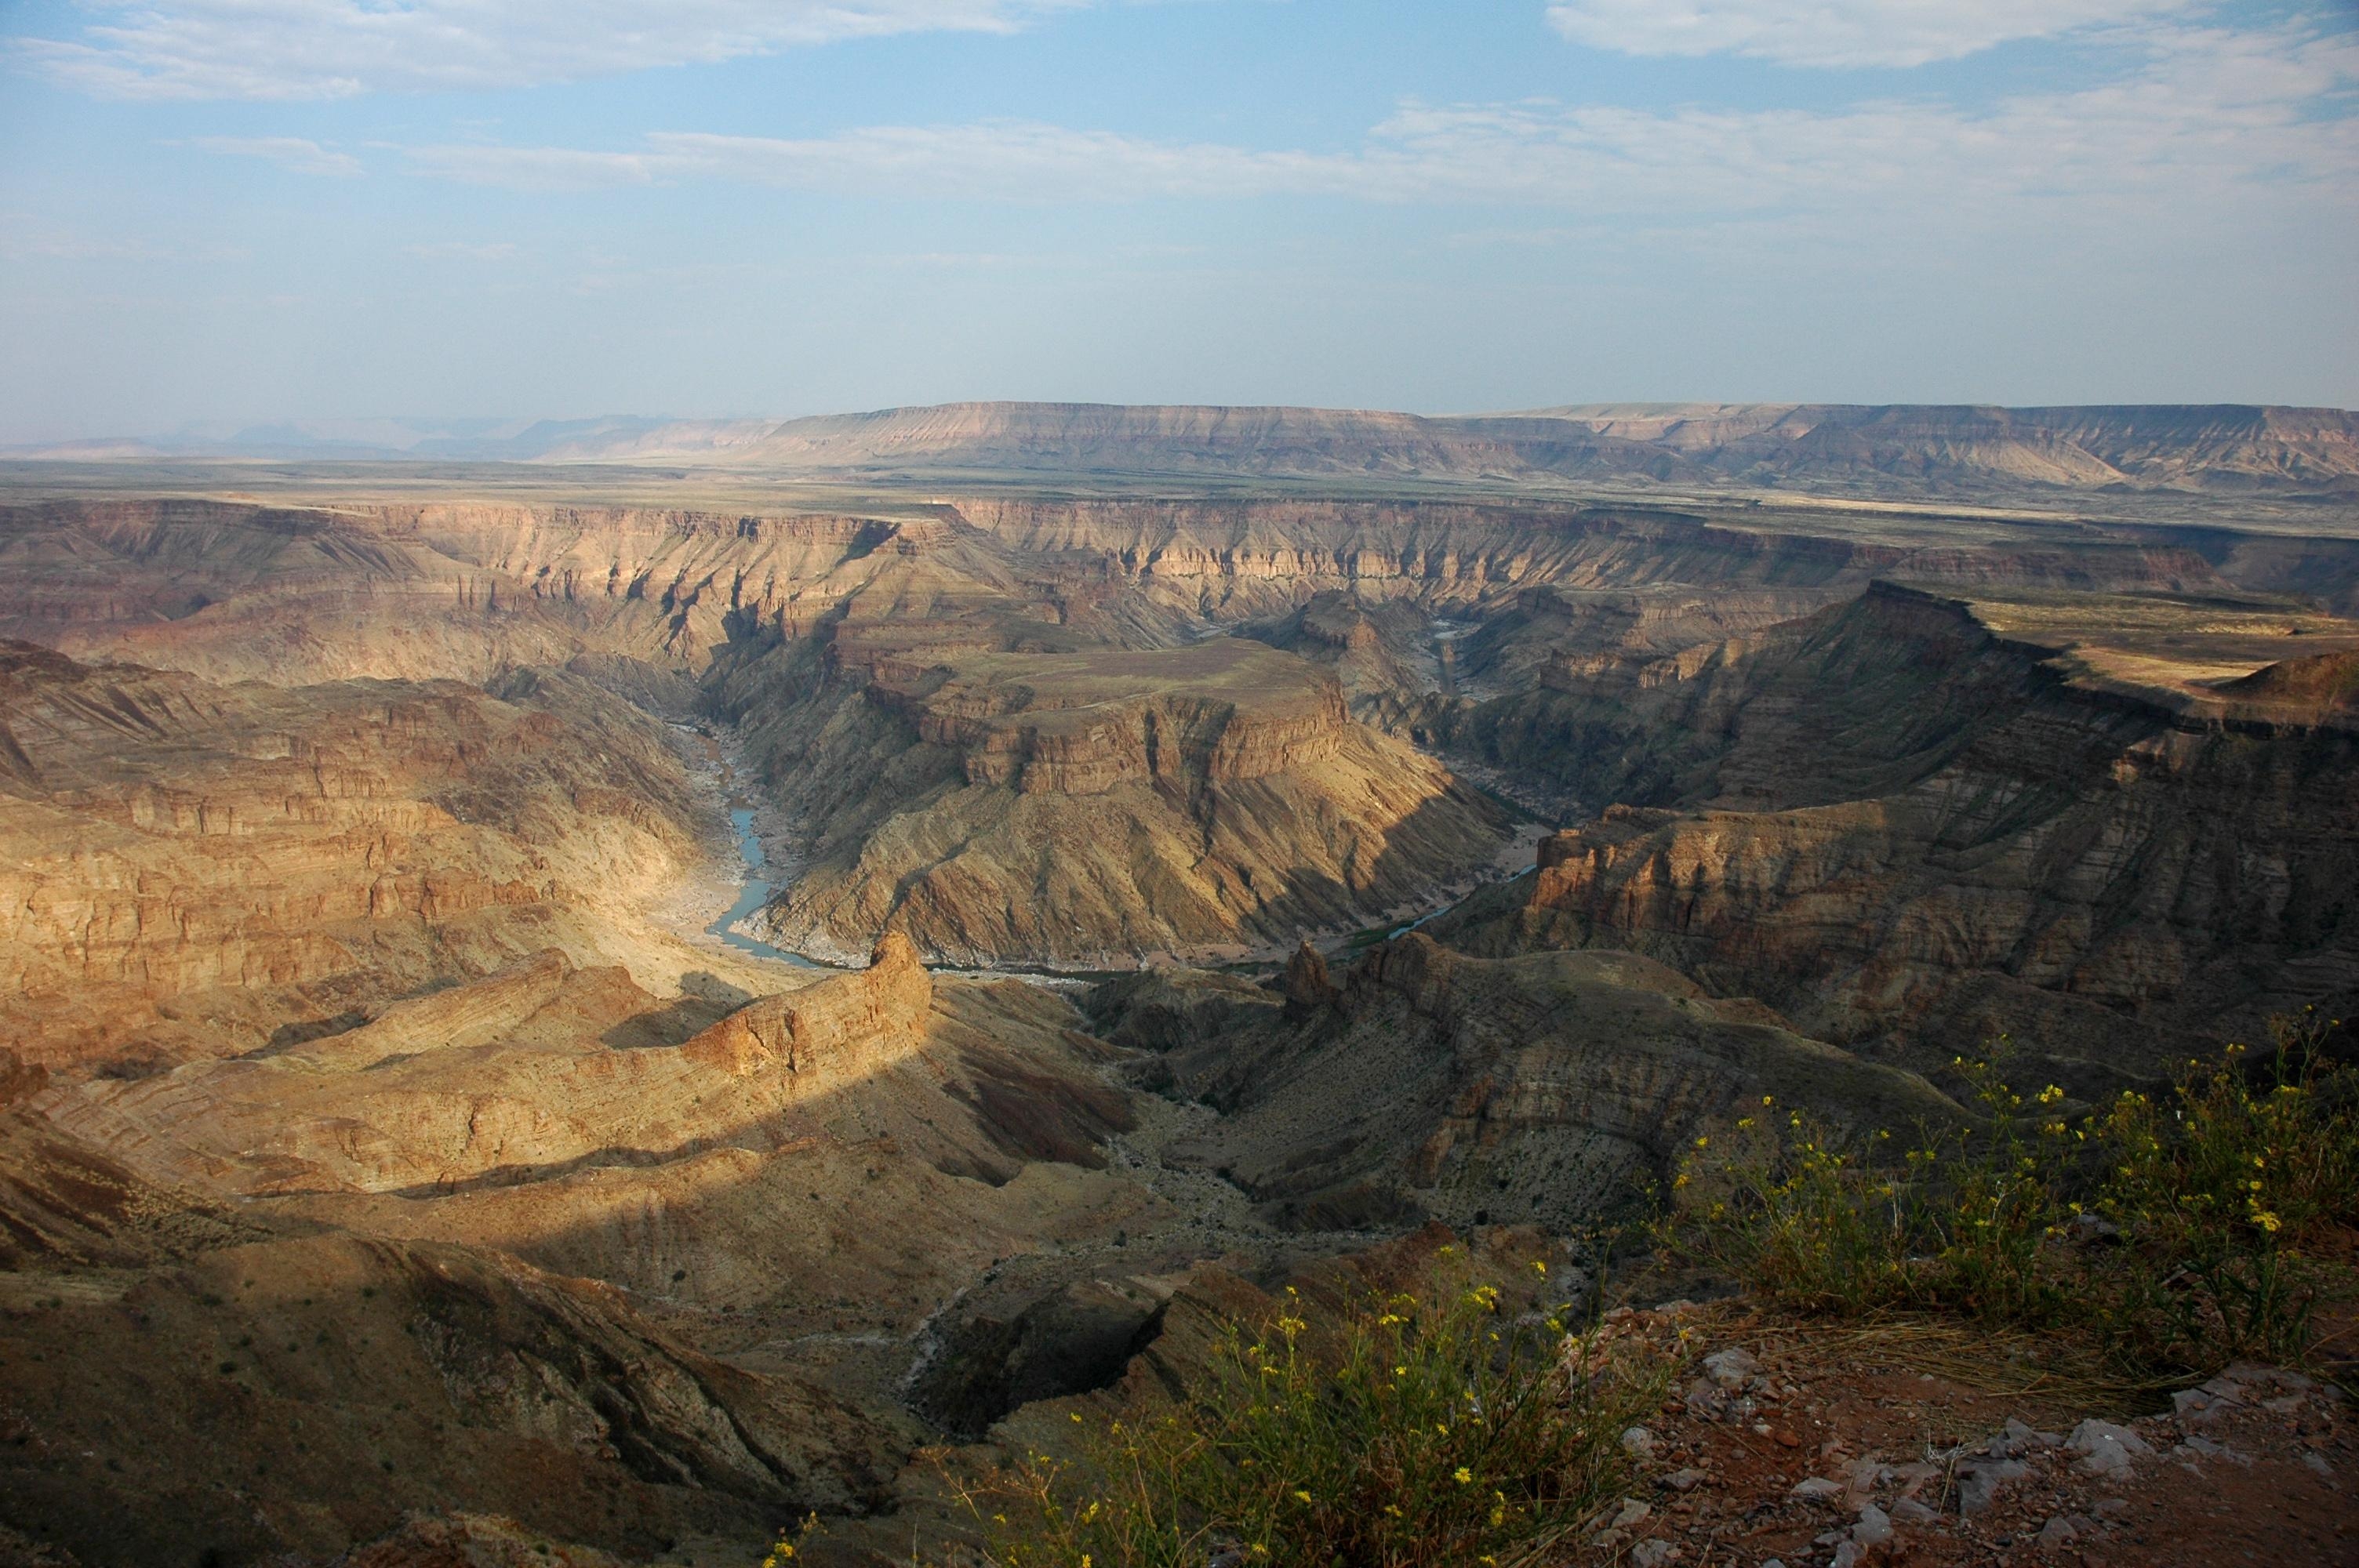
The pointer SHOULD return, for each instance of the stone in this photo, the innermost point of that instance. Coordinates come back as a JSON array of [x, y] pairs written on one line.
[[1686, 1480], [2022, 1439], [1631, 1511], [2057, 1533], [1912, 1476], [1908, 1510], [1817, 1488], [2199, 1409], [2106, 1449], [1730, 1369], [1979, 1483], [1638, 1443], [1308, 986], [2095, 1228], [1875, 1527], [1654, 1554]]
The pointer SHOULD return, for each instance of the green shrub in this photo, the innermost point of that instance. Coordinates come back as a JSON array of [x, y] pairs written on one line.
[[1420, 1429], [2226, 1187], [2179, 1226]]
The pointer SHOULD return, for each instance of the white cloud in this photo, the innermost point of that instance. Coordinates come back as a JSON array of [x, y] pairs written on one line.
[[461, 250], [2203, 116], [295, 154], [336, 49], [1835, 32], [25, 237], [992, 159]]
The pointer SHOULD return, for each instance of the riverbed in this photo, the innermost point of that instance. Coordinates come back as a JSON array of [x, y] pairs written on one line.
[[759, 873], [753, 896]]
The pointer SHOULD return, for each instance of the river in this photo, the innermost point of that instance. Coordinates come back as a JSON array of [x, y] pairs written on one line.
[[752, 897], [754, 892]]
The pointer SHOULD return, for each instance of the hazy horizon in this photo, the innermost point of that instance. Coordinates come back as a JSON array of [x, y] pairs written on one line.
[[399, 432], [215, 214]]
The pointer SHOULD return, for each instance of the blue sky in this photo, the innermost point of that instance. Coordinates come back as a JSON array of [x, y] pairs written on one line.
[[237, 211]]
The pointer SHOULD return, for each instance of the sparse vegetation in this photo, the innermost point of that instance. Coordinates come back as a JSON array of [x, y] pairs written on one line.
[[2182, 1228], [1422, 1427]]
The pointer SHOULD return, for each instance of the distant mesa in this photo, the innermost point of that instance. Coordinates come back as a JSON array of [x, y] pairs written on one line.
[[2326, 683], [1884, 448]]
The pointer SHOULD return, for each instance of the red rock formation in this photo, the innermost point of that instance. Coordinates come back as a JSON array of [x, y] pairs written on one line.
[[839, 1027]]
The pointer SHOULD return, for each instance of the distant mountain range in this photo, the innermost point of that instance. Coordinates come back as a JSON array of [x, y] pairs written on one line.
[[2211, 447]]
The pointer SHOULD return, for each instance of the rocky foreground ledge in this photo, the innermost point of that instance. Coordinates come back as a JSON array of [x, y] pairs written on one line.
[[1847, 1447]]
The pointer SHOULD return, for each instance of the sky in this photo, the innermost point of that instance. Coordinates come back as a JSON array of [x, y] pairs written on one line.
[[221, 212]]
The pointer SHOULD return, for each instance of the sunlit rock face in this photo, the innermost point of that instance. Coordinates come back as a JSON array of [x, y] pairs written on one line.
[[189, 865], [1101, 805]]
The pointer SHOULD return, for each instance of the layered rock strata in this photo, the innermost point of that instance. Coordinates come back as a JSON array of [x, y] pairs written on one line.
[[2111, 882], [1093, 807], [184, 1384], [1547, 1088], [185, 866]]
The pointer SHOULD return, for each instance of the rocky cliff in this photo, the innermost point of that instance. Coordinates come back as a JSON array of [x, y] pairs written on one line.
[[185, 1384], [1097, 806], [1919, 832], [187, 864], [837, 1029], [1082, 723], [1535, 1089]]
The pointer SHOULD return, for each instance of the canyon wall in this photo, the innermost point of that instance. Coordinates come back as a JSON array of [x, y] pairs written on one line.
[[1543, 1089], [1897, 827], [188, 864], [1093, 807]]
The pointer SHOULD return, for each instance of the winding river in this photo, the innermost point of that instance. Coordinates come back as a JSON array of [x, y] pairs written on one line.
[[754, 893], [752, 897]]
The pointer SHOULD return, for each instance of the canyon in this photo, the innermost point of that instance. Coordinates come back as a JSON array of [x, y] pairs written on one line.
[[1202, 848]]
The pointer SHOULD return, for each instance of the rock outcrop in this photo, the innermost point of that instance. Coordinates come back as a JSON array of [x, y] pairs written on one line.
[[1973, 846], [1524, 1090], [1089, 808], [1082, 723], [833, 1030], [187, 1384], [185, 866]]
